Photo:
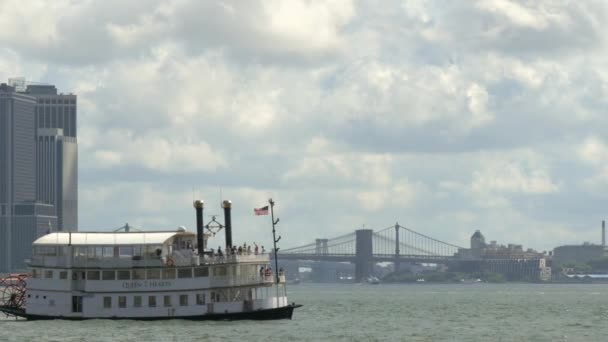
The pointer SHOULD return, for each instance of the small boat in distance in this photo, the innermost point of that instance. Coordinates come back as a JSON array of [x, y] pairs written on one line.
[[147, 276], [294, 281], [373, 280]]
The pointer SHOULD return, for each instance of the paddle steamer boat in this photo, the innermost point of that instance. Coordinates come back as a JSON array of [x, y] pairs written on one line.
[[146, 275]]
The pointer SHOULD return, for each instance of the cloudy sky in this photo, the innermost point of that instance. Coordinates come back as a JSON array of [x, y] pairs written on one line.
[[446, 116]]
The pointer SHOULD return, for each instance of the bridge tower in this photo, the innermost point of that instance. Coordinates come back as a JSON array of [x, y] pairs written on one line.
[[321, 247], [363, 254], [397, 263]]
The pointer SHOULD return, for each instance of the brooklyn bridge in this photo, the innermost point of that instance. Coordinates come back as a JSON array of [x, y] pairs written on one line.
[[398, 244], [364, 247]]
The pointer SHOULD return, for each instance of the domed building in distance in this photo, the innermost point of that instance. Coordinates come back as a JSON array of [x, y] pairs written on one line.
[[512, 260]]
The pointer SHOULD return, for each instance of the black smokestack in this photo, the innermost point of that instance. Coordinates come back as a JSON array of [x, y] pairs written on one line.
[[198, 206], [227, 205]]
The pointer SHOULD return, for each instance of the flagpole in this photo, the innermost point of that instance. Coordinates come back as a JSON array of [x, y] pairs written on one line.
[[274, 241]]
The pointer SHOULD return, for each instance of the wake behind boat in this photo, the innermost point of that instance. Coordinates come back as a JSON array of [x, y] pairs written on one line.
[[148, 276]]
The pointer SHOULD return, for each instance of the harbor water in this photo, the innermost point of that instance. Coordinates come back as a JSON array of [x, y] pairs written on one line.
[[361, 312]]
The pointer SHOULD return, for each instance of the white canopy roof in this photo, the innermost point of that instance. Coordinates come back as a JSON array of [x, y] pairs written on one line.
[[110, 238]]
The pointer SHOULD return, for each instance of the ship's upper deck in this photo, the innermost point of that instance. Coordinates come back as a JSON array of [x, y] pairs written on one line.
[[126, 250]]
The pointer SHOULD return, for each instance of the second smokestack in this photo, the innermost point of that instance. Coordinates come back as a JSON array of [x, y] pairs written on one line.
[[227, 205], [198, 206]]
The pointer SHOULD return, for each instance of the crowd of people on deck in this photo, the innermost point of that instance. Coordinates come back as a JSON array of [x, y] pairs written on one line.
[[267, 271], [244, 249]]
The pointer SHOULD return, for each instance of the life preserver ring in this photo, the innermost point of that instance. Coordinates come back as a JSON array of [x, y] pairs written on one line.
[[170, 262]]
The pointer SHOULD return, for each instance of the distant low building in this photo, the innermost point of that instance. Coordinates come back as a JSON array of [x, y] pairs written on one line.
[[578, 254], [513, 261]]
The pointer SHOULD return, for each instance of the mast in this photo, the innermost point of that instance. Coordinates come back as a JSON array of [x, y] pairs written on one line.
[[274, 241]]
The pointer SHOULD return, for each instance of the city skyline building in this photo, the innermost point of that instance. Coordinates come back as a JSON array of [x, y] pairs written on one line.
[[57, 153], [56, 176], [38, 167], [22, 219]]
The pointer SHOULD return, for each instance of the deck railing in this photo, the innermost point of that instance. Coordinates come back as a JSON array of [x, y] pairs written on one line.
[[176, 259]]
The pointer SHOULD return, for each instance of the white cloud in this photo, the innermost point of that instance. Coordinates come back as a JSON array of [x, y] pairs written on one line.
[[515, 175], [593, 150], [158, 153], [517, 14]]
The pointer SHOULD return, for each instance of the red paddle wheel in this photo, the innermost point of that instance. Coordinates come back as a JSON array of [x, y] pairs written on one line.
[[12, 291]]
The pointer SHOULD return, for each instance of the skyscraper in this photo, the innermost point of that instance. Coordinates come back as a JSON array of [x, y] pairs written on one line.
[[57, 153], [22, 218], [38, 168]]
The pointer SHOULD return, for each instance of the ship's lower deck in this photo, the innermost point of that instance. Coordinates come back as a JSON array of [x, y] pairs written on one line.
[[154, 304]]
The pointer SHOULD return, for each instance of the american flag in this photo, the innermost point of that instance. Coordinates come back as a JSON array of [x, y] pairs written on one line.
[[261, 211]]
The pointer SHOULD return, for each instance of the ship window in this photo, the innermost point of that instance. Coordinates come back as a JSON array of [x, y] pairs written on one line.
[[219, 271], [212, 297], [93, 275], [125, 251], [201, 272], [80, 252], [200, 299], [108, 275], [122, 302], [124, 275], [139, 274], [35, 274], [63, 275], [91, 252], [108, 252], [48, 274], [167, 301], [153, 274], [138, 251], [184, 273], [183, 300], [107, 302], [169, 273], [217, 297], [137, 301], [152, 301], [46, 251], [153, 251]]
